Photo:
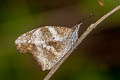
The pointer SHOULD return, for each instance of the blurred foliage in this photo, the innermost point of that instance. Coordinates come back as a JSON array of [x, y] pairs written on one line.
[[19, 16]]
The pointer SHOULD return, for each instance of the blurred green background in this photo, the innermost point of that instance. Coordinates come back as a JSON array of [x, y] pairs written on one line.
[[97, 58]]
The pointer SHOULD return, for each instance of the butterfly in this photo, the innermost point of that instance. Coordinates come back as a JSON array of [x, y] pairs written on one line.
[[48, 44]]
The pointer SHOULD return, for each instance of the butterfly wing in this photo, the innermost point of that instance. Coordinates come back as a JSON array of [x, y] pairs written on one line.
[[48, 44]]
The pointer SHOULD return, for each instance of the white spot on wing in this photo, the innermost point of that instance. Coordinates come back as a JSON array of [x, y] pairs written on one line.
[[54, 34]]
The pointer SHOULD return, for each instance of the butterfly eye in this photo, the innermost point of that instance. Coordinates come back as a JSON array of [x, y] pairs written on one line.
[[53, 37]]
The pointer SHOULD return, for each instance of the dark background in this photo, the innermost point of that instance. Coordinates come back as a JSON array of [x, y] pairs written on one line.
[[97, 58]]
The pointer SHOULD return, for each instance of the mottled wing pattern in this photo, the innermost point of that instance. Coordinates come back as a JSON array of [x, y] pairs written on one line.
[[48, 44]]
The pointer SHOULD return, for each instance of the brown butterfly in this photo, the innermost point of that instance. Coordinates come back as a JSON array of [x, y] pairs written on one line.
[[48, 44]]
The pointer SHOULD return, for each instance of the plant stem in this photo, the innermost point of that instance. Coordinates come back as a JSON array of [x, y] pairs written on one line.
[[83, 36]]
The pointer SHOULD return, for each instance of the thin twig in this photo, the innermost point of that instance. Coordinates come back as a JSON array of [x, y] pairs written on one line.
[[89, 29]]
